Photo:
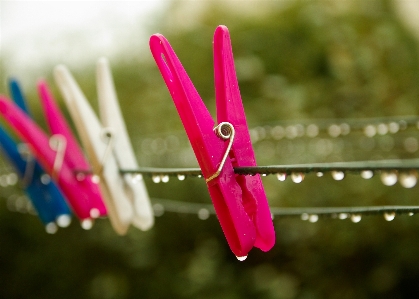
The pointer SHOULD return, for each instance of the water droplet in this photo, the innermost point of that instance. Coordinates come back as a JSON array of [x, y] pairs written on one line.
[[45, 179], [338, 175], [87, 223], [313, 218], [200, 176], [411, 144], [137, 178], [345, 128], [181, 177], [12, 179], [334, 130], [389, 216], [411, 214], [370, 131], [80, 176], [164, 178], [297, 177], [63, 220], [203, 214], [158, 209], [51, 228], [241, 258], [343, 216], [281, 176], [408, 179], [94, 213], [319, 174], [95, 179], [389, 178], [393, 127], [156, 178], [355, 218], [305, 216], [312, 130], [382, 129], [367, 174]]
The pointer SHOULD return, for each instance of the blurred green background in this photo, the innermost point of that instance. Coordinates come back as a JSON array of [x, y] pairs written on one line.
[[296, 61]]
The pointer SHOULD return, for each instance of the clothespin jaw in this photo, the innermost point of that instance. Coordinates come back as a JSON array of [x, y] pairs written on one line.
[[230, 109], [99, 151], [111, 117], [225, 191], [74, 156], [77, 194]]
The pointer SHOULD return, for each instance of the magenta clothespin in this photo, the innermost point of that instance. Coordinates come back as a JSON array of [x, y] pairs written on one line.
[[74, 156], [78, 193], [239, 201]]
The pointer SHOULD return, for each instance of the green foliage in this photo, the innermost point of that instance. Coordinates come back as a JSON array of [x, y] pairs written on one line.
[[295, 61]]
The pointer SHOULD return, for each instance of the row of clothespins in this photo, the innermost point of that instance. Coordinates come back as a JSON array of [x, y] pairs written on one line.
[[96, 187]]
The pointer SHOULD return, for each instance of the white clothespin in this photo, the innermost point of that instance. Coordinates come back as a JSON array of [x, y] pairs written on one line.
[[108, 149]]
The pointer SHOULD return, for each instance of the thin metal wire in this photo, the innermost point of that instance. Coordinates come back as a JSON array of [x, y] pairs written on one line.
[[167, 205], [356, 167]]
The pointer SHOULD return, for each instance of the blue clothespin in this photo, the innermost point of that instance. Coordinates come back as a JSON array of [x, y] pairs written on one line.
[[46, 197]]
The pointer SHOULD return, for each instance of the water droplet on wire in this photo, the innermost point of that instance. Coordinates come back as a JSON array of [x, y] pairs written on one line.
[[203, 214], [389, 216], [51, 228], [408, 179], [355, 218], [389, 178], [313, 218], [319, 174], [63, 220], [156, 178], [338, 175], [297, 177], [281, 176], [343, 216], [181, 177], [164, 178], [367, 174], [86, 224], [305, 216], [94, 213]]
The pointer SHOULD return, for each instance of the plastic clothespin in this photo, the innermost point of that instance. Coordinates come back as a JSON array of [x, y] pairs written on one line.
[[78, 191], [239, 201], [109, 149], [45, 196], [74, 156]]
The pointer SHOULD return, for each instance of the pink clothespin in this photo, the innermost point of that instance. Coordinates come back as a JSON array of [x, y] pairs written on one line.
[[80, 194], [240, 201], [74, 156]]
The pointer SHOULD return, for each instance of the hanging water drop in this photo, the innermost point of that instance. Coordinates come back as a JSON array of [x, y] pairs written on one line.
[[164, 178], [355, 218], [12, 179], [389, 216], [181, 177], [338, 175], [313, 218], [281, 176], [304, 216], [343, 216], [367, 174], [411, 214], [94, 213], [389, 178], [86, 223], [63, 220], [297, 177], [203, 214], [241, 258], [95, 179], [51, 228], [408, 179], [155, 178], [137, 178], [319, 174]]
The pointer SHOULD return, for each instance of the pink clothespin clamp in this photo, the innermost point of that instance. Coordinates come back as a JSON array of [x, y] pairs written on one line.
[[239, 201], [82, 194]]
